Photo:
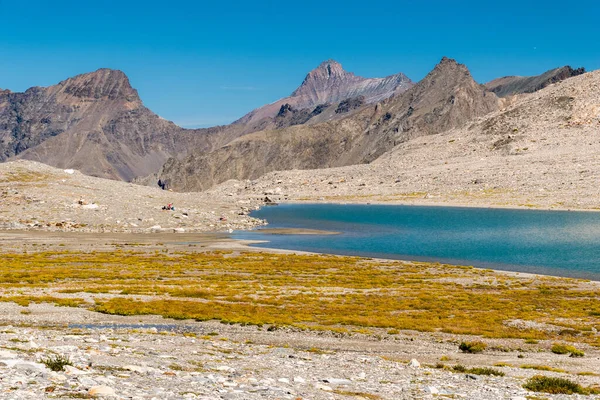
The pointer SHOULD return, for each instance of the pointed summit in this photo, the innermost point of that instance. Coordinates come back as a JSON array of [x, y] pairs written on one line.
[[328, 74], [449, 67], [328, 69], [103, 83], [329, 83]]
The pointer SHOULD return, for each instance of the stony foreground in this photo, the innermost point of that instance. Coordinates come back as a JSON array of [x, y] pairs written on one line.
[[152, 358]]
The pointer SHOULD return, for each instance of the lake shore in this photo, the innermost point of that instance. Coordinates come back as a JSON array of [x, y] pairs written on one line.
[[170, 358], [209, 359]]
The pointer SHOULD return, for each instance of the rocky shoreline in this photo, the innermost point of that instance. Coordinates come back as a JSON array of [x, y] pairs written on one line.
[[149, 357]]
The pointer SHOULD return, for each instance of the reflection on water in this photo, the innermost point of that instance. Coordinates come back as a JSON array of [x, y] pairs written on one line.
[[561, 243]]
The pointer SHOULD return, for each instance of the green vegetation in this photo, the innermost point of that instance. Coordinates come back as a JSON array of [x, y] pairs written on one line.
[[502, 364], [558, 348], [319, 292], [477, 370], [472, 347], [56, 362], [546, 384], [542, 368]]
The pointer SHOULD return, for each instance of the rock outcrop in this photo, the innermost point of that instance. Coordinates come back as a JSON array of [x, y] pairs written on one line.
[[512, 85], [448, 97]]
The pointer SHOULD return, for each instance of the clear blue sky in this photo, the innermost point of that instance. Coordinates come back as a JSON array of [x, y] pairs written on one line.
[[201, 63]]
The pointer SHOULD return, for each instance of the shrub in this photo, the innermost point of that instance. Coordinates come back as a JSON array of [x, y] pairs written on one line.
[[542, 368], [558, 348], [472, 347], [485, 371], [459, 368], [545, 384], [477, 370], [57, 362]]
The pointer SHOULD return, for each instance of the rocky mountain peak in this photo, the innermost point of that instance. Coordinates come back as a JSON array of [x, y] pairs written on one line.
[[328, 74], [329, 67], [450, 67], [103, 83], [329, 83]]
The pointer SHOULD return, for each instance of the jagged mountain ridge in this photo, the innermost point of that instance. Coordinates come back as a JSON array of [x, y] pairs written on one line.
[[96, 123], [329, 83], [447, 97], [512, 85]]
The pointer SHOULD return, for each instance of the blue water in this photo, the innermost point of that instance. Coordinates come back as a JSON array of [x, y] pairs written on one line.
[[561, 243]]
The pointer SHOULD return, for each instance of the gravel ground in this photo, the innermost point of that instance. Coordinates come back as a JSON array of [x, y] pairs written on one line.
[[154, 358]]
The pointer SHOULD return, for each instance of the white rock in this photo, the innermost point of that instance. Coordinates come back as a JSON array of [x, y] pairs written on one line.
[[10, 363], [69, 171], [56, 377], [97, 391], [360, 377], [135, 368], [432, 390], [325, 388], [283, 380], [90, 206], [337, 381], [70, 370], [299, 379], [7, 354], [414, 363]]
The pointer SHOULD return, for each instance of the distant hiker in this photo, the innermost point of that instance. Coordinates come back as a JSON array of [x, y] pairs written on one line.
[[162, 184], [169, 207]]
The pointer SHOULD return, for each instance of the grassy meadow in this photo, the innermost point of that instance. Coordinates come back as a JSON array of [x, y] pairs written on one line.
[[321, 292]]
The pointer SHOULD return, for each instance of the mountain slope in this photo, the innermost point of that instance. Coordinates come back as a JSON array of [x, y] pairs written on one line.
[[448, 97], [95, 123], [540, 151], [329, 83], [511, 85]]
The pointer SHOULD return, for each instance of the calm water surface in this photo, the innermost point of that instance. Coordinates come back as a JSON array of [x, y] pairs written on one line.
[[562, 243]]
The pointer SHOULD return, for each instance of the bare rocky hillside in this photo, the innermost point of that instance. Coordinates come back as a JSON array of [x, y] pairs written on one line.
[[35, 196], [447, 97], [512, 85], [95, 123], [541, 151]]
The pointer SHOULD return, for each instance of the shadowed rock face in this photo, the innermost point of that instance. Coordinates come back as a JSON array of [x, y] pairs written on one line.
[[95, 123], [447, 97], [329, 83], [512, 85]]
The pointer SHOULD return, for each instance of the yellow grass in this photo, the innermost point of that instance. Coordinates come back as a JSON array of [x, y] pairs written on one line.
[[307, 291]]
